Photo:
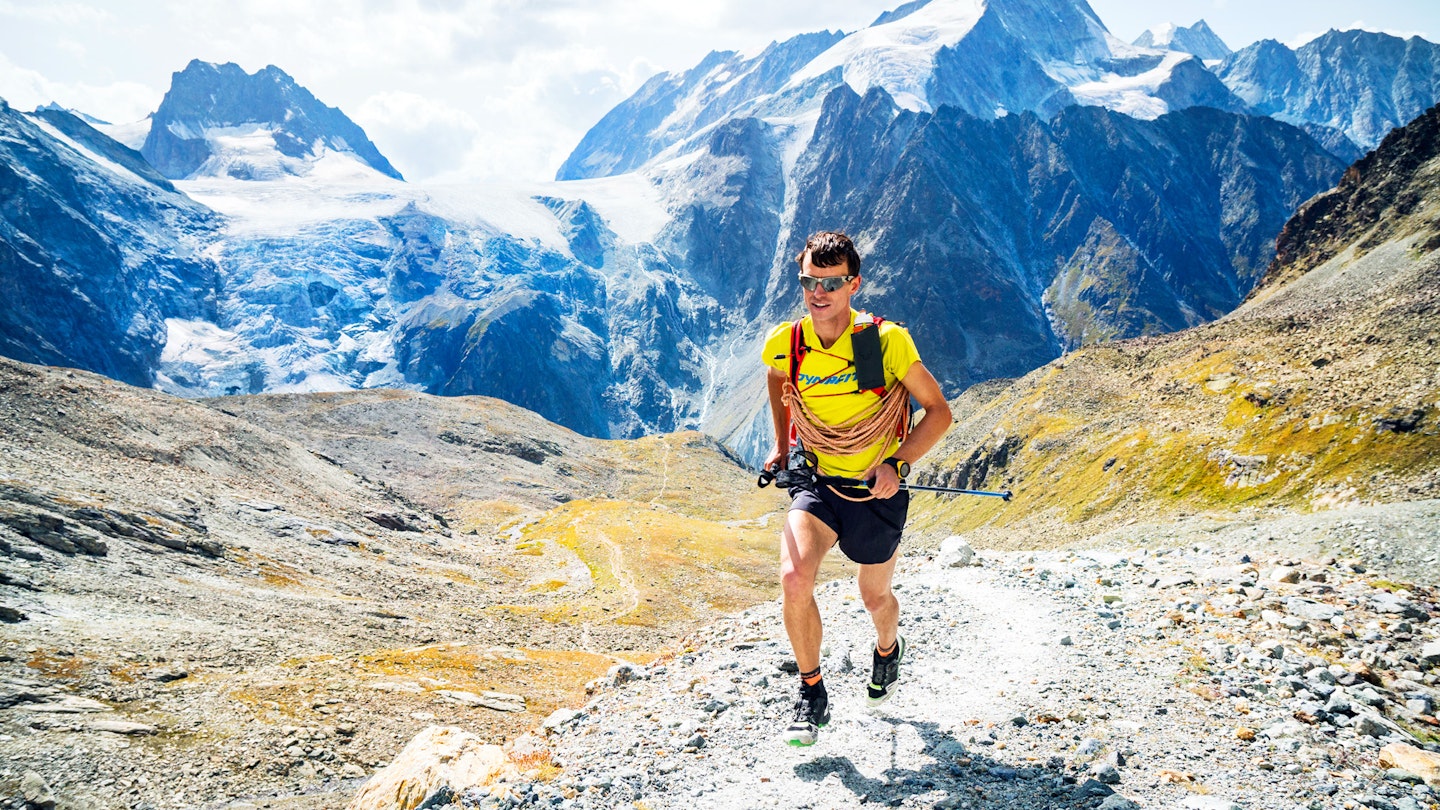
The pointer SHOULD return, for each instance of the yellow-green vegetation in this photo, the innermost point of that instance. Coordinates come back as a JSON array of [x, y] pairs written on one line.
[[1391, 586], [53, 664], [482, 516], [1194, 427], [650, 565], [685, 537], [678, 471]]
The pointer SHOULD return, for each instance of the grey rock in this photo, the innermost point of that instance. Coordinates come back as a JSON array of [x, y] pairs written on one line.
[[955, 552], [35, 790], [1368, 725], [1386, 602], [1312, 610], [167, 674], [1093, 788], [1402, 775], [126, 727], [1338, 703], [1107, 774], [1430, 653]]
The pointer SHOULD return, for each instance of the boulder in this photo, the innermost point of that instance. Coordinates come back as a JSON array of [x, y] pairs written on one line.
[[1310, 609], [955, 553], [444, 760], [35, 791], [497, 701], [1422, 763]]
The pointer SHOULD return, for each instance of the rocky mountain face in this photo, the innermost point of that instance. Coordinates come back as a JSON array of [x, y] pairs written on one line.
[[1090, 226], [924, 55], [1318, 392], [96, 249], [219, 120], [1360, 83], [1198, 40]]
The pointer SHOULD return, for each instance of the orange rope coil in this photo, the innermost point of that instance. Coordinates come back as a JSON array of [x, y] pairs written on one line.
[[871, 428]]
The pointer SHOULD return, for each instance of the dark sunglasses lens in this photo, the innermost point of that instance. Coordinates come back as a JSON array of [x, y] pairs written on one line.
[[829, 284]]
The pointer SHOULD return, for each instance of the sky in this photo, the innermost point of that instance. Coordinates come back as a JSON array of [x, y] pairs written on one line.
[[479, 90]]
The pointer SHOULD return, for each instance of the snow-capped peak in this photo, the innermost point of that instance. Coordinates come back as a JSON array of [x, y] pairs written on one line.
[[898, 55], [1197, 39], [219, 120]]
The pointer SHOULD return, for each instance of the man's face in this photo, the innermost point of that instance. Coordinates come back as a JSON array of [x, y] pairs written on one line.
[[822, 303]]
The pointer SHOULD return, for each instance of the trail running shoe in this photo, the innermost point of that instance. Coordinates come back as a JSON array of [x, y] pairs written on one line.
[[812, 713], [885, 675]]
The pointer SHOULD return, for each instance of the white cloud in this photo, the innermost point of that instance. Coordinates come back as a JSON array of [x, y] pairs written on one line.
[[422, 137], [59, 13], [119, 103]]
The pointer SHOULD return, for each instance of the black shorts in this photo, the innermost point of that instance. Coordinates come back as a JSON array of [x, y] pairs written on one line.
[[869, 531]]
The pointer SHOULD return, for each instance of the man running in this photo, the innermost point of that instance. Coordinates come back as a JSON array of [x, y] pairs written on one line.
[[816, 366]]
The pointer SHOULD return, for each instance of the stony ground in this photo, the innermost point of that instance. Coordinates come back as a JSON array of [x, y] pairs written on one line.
[[1196, 676], [199, 611], [260, 597]]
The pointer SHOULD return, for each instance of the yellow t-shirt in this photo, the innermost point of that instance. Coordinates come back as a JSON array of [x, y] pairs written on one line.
[[827, 381]]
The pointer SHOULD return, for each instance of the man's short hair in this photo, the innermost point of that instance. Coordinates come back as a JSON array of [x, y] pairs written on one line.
[[830, 249]]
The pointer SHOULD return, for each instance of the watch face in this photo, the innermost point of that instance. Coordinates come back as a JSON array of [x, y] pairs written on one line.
[[903, 468]]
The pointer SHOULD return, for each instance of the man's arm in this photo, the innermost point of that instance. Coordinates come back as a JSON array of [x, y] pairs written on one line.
[[922, 386], [775, 380]]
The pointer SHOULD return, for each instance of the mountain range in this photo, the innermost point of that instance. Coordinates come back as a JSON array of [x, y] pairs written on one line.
[[1020, 181]]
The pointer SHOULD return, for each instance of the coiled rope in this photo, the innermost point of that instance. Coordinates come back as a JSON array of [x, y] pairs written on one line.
[[870, 428]]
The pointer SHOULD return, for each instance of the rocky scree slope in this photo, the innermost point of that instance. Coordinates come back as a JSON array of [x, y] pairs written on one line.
[[203, 601]]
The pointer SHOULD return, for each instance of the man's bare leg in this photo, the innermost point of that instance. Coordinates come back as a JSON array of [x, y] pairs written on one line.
[[803, 545], [879, 598]]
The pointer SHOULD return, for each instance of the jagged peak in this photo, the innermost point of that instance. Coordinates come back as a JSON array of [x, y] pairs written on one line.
[[208, 96], [1197, 39]]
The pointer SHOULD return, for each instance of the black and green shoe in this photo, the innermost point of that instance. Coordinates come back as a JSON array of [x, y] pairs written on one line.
[[885, 675], [812, 713]]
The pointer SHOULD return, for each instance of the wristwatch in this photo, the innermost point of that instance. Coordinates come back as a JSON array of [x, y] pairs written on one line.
[[902, 467]]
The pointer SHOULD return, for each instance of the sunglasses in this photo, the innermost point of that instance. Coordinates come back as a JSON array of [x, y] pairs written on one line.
[[828, 284]]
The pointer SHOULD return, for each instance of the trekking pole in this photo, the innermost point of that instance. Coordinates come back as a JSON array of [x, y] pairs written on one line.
[[855, 482], [1003, 495]]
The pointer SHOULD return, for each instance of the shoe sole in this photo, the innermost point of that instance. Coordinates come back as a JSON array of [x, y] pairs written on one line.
[[804, 739]]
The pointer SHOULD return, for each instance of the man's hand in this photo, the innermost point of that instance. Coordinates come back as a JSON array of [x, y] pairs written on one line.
[[775, 461], [883, 480]]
